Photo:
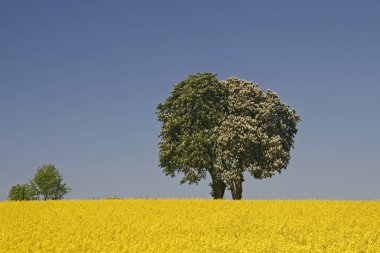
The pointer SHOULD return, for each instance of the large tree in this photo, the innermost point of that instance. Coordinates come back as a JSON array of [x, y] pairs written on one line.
[[255, 135], [189, 118], [48, 182], [224, 128]]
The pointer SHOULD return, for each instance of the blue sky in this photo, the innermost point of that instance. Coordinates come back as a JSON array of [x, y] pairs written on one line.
[[80, 80]]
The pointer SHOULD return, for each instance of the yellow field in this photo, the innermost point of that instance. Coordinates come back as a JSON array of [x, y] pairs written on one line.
[[190, 226]]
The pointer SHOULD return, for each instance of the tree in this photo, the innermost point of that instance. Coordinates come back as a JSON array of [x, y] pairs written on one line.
[[189, 117], [255, 135], [224, 128], [47, 182], [22, 192]]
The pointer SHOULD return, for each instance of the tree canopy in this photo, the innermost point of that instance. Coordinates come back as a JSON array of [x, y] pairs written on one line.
[[224, 128]]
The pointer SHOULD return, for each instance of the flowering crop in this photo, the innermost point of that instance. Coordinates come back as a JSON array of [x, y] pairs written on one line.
[[190, 226]]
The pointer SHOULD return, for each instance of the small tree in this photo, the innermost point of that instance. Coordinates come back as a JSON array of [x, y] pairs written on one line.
[[22, 192], [47, 182]]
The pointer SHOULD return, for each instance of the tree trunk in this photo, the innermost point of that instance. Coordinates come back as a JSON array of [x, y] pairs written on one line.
[[236, 189], [218, 187]]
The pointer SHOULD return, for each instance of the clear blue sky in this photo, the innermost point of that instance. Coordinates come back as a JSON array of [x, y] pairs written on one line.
[[79, 82]]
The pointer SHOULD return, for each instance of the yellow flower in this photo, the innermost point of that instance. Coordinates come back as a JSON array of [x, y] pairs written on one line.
[[190, 226]]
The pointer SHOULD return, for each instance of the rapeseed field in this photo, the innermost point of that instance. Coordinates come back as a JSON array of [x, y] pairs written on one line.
[[138, 225]]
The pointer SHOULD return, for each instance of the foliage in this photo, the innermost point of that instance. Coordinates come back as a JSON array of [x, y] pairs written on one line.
[[224, 128], [190, 226], [22, 192], [47, 182]]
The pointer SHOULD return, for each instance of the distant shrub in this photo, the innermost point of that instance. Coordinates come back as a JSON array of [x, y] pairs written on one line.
[[22, 192]]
